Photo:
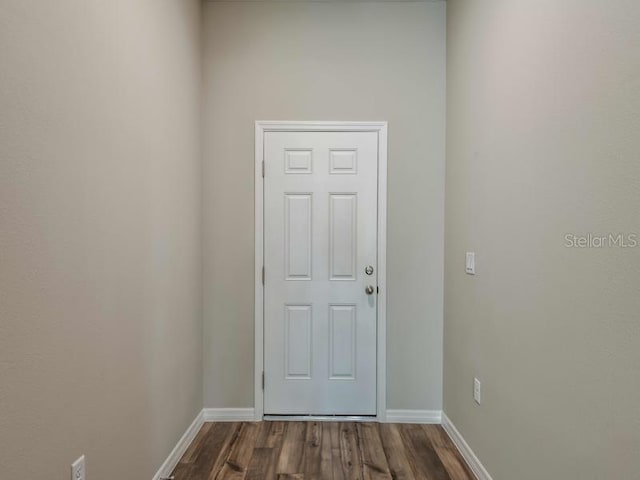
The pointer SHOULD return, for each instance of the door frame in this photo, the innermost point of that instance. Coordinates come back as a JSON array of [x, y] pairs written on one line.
[[261, 127]]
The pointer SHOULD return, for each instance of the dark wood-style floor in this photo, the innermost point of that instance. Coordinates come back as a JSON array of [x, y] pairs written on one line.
[[321, 450]]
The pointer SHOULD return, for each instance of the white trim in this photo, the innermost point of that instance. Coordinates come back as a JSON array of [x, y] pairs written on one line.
[[295, 126], [465, 450], [176, 454], [382, 272], [414, 416], [292, 126], [229, 414], [320, 418], [258, 394]]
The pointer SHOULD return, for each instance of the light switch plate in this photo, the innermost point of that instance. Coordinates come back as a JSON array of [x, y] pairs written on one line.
[[470, 264], [477, 391]]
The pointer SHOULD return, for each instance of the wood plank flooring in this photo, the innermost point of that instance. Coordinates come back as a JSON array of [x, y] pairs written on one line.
[[321, 451]]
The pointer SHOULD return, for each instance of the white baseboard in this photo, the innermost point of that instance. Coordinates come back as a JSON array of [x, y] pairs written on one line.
[[413, 416], [472, 460], [181, 447], [392, 416], [229, 415]]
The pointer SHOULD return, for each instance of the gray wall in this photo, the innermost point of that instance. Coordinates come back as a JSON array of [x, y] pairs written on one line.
[[325, 61], [100, 276], [542, 140]]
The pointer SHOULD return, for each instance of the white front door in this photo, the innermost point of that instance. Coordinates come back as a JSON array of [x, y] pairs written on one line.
[[320, 244]]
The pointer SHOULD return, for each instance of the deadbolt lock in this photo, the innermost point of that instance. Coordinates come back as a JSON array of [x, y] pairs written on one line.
[[369, 270]]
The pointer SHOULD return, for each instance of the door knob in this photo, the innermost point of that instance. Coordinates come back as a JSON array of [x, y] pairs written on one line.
[[369, 290]]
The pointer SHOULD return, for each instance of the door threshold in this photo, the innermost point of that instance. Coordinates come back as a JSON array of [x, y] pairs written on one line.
[[321, 418]]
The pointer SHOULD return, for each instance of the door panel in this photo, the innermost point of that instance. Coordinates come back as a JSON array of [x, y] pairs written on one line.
[[343, 229], [298, 341], [297, 248], [343, 339], [320, 231]]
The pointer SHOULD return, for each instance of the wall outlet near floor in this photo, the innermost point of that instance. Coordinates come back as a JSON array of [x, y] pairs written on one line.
[[470, 263], [77, 469], [477, 391]]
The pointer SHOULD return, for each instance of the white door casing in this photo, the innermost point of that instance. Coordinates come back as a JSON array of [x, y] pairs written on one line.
[[320, 220]]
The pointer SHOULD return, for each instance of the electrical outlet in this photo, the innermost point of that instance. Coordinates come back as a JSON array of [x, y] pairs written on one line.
[[470, 263], [77, 469], [477, 391]]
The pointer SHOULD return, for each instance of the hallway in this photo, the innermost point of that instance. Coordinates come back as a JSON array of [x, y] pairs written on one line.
[[321, 450]]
